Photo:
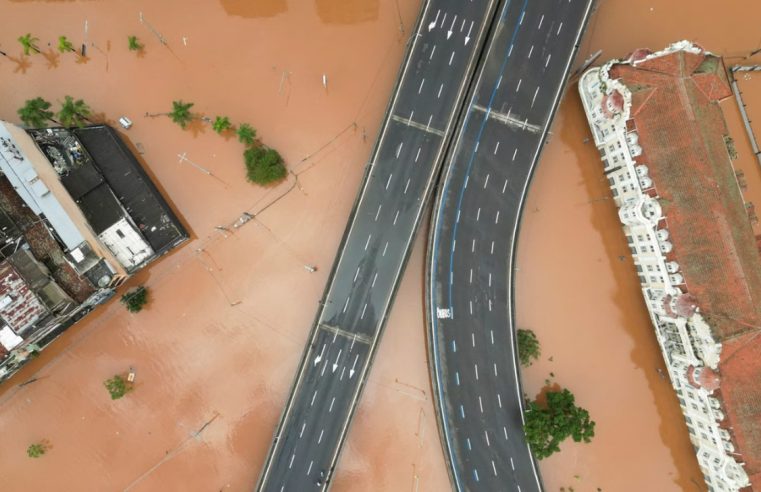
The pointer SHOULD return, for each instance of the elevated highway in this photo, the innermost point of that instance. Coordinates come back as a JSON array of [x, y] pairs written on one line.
[[399, 179], [471, 257]]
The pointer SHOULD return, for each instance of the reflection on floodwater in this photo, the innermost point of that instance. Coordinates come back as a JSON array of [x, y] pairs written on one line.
[[255, 8], [329, 11], [343, 12]]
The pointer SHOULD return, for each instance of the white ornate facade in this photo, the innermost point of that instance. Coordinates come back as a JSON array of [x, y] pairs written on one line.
[[689, 350]]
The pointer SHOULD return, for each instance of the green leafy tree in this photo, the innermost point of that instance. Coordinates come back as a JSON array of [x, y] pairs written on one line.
[[73, 112], [29, 43], [35, 113], [64, 44], [134, 43], [135, 299], [528, 347], [264, 165], [548, 425], [181, 113], [117, 387], [36, 449], [221, 124], [246, 134]]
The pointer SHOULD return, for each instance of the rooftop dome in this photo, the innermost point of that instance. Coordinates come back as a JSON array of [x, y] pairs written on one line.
[[686, 305], [683, 305], [638, 55], [703, 377], [613, 103]]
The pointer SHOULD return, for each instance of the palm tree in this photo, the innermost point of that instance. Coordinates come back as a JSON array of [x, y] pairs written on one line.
[[73, 112], [221, 124], [246, 134], [64, 44], [35, 113], [181, 113], [134, 43], [28, 42]]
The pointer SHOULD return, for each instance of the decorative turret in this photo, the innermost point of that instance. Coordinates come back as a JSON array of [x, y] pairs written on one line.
[[703, 377], [613, 103], [682, 306]]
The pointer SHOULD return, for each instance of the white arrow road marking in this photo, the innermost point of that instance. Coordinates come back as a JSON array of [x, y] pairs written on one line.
[[449, 32], [319, 357], [467, 36], [351, 371], [433, 24], [335, 364]]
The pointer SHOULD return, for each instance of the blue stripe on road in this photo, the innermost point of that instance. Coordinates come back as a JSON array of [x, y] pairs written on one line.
[[473, 154], [436, 361]]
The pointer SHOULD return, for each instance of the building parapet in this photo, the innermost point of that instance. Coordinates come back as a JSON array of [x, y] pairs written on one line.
[[78, 215], [689, 347]]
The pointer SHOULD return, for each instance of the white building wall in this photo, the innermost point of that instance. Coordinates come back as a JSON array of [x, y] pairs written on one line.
[[684, 342]]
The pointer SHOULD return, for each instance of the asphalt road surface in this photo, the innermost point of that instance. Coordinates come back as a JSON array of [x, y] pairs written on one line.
[[419, 125], [472, 246]]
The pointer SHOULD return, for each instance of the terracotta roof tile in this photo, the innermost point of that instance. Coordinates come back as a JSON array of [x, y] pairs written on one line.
[[681, 130]]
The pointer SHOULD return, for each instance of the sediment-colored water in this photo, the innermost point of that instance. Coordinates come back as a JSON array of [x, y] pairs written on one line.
[[220, 339], [576, 283], [229, 313]]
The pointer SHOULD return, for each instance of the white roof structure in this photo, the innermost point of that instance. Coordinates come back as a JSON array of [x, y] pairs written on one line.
[[20, 172]]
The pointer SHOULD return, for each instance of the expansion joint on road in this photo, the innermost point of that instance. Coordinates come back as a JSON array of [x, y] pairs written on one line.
[[510, 120], [346, 334], [419, 126]]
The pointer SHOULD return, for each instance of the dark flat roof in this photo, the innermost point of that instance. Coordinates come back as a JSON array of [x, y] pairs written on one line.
[[132, 187], [101, 208]]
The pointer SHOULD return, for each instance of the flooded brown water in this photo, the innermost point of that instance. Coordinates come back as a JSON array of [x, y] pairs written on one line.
[[576, 283], [218, 344], [216, 349]]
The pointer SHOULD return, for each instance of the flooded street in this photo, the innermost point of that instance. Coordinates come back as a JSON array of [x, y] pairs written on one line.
[[577, 287], [216, 348]]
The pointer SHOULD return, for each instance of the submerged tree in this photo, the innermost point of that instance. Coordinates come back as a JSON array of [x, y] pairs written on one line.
[[117, 386], [135, 299], [221, 124], [528, 347], [35, 113], [134, 43], [29, 43], [37, 449], [549, 425], [246, 134], [181, 113], [264, 165], [73, 112], [64, 44]]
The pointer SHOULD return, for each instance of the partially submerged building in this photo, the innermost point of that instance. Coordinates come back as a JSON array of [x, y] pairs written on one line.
[[78, 216], [667, 155]]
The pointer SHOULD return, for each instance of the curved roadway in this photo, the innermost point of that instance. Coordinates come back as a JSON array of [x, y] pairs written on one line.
[[430, 93], [471, 250]]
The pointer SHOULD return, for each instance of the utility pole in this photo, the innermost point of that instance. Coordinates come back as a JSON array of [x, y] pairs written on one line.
[[151, 28], [183, 158], [399, 13]]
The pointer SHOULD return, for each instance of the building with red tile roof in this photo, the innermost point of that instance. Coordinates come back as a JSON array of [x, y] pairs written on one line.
[[666, 156]]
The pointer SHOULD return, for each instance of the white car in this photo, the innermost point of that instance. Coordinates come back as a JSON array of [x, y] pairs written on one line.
[[125, 122]]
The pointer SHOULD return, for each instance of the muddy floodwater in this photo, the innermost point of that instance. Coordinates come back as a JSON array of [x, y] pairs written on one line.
[[577, 288], [216, 348]]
